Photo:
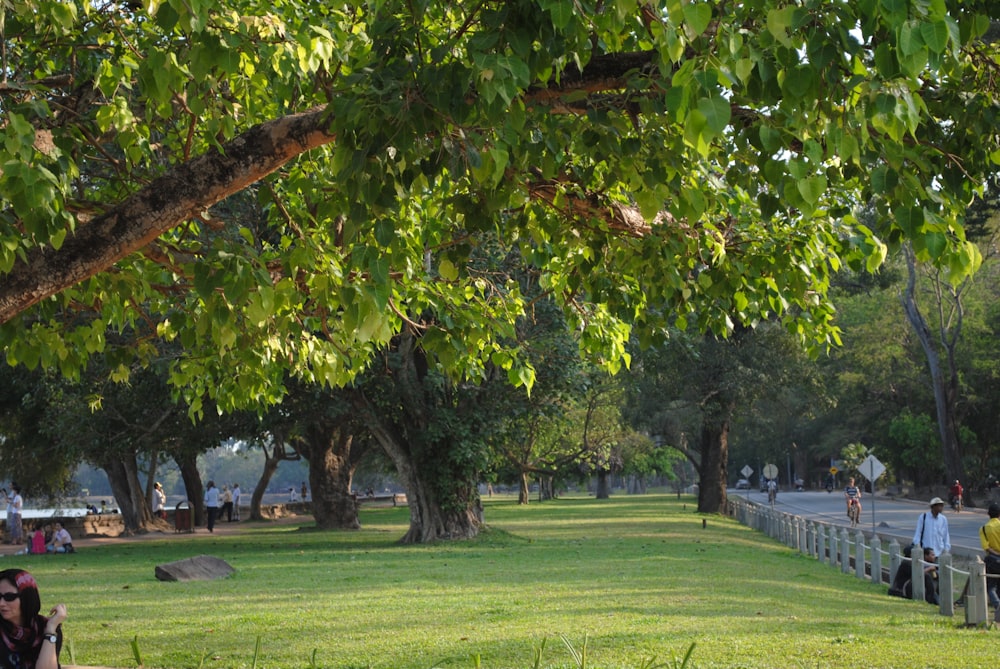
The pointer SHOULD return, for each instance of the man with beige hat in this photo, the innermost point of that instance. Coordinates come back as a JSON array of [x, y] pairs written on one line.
[[932, 529]]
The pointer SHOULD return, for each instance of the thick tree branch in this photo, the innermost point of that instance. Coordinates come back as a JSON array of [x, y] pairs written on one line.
[[182, 193]]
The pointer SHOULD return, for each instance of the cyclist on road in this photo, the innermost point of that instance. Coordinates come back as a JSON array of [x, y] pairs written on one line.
[[852, 495], [772, 491]]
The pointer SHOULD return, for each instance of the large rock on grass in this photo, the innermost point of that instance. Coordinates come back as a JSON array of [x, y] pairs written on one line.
[[198, 568]]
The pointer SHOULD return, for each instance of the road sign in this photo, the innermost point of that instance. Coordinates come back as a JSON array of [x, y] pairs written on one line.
[[871, 468], [770, 471], [833, 470], [746, 471]]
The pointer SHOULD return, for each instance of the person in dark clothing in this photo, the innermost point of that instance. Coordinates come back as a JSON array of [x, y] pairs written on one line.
[[30, 640], [902, 583]]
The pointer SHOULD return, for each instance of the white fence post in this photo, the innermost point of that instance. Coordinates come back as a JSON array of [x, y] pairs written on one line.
[[946, 585], [917, 573], [845, 551], [876, 560], [859, 554], [894, 560], [976, 603]]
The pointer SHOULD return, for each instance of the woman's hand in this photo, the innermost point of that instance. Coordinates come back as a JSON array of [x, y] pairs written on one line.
[[56, 617]]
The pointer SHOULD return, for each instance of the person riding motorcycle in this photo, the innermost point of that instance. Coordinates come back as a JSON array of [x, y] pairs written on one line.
[[955, 495]]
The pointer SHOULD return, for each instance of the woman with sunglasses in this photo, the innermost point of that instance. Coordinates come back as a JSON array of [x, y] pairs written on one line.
[[30, 640]]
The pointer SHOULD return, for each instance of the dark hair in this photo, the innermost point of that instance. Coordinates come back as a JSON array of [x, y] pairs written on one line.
[[27, 588], [994, 510]]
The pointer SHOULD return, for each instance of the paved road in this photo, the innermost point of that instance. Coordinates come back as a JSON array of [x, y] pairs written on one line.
[[892, 517]]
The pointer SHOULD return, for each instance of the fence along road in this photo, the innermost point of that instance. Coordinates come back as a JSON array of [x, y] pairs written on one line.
[[817, 524], [894, 518]]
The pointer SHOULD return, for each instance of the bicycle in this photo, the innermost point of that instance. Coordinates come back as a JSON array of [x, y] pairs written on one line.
[[854, 512], [772, 496]]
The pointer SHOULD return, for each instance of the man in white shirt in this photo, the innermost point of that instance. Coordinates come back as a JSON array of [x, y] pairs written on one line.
[[62, 542], [932, 529]]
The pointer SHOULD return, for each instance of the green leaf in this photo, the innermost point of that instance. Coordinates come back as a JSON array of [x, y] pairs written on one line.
[[778, 23], [935, 243], [935, 35], [717, 111], [447, 270], [910, 220], [812, 188], [698, 17]]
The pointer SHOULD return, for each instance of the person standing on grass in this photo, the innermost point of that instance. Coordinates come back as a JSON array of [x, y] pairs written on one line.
[[989, 538], [159, 501], [932, 529], [236, 501], [14, 515], [227, 504], [30, 640], [212, 504]]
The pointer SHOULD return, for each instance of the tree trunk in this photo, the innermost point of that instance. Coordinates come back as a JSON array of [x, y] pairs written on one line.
[[193, 487], [713, 470], [430, 520], [332, 462], [546, 488], [123, 475], [523, 488], [603, 484], [270, 466]]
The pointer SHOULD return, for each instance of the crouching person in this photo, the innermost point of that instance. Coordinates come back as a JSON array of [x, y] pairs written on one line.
[[902, 583]]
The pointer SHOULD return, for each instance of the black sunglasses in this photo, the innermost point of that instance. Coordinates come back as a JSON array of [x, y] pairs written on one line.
[[9, 596]]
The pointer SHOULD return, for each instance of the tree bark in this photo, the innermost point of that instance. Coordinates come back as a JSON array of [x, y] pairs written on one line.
[[713, 473], [123, 475], [523, 488], [333, 457], [193, 486], [430, 520], [267, 472], [603, 484]]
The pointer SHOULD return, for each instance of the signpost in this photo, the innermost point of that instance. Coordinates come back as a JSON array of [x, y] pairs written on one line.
[[770, 471], [871, 469], [747, 471]]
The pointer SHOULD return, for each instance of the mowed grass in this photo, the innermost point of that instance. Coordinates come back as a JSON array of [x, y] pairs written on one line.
[[632, 578]]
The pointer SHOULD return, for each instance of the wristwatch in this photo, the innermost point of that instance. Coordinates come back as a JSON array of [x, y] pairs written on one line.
[[51, 638]]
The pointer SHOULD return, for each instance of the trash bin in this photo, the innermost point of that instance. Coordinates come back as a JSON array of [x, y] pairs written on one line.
[[182, 517]]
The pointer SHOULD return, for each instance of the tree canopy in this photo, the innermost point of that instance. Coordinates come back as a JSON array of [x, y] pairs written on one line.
[[687, 162]]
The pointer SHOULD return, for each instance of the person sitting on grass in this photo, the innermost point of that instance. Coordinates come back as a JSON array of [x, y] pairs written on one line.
[[61, 542]]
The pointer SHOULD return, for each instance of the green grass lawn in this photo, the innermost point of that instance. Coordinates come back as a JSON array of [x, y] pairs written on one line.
[[633, 578]]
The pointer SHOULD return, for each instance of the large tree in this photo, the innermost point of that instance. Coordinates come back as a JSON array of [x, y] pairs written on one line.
[[690, 162]]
